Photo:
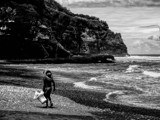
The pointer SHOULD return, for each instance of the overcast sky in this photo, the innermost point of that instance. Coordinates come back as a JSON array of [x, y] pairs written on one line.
[[139, 26]]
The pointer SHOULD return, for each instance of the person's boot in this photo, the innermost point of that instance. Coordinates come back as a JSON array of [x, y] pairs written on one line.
[[51, 105], [46, 104]]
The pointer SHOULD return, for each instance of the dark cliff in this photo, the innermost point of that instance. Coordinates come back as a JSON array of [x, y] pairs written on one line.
[[40, 29]]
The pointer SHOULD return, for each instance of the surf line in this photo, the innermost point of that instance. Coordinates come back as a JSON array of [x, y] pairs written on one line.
[[138, 69], [151, 74], [85, 86]]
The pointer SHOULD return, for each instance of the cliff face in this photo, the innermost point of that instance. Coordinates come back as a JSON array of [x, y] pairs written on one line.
[[39, 29]]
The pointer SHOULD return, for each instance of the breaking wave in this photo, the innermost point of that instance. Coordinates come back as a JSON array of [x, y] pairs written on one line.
[[113, 95], [134, 68], [85, 86], [151, 74], [138, 69]]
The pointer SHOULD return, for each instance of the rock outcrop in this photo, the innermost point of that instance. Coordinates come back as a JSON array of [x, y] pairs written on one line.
[[45, 29]]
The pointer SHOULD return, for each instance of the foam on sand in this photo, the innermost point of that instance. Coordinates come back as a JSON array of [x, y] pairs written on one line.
[[151, 74], [113, 95], [93, 79], [133, 69], [85, 86], [137, 69]]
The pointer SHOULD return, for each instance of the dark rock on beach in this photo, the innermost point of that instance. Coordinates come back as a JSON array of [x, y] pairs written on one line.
[[44, 29], [74, 59]]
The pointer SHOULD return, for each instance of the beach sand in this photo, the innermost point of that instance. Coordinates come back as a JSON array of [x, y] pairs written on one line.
[[20, 100], [18, 84]]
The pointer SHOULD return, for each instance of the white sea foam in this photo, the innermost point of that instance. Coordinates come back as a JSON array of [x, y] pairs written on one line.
[[133, 68], [151, 74], [137, 89], [76, 70], [84, 86], [145, 57], [93, 79], [113, 94]]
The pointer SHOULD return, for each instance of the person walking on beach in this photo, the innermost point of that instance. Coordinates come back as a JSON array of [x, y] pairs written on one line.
[[48, 87]]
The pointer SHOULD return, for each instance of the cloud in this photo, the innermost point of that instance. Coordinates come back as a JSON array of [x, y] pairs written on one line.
[[146, 45], [113, 2]]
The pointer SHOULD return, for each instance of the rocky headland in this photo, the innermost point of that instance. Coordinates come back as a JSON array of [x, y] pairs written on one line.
[[44, 29]]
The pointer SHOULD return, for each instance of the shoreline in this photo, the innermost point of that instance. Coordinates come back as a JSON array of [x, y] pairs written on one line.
[[96, 99], [82, 97], [78, 59]]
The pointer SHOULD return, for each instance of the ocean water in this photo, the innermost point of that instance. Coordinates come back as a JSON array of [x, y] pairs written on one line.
[[139, 26], [136, 83], [132, 81]]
